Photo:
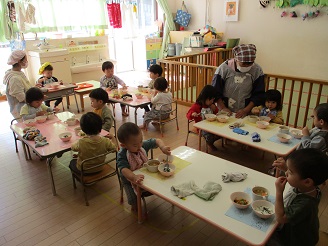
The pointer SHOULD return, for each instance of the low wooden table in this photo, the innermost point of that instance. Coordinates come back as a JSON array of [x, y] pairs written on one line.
[[82, 92]]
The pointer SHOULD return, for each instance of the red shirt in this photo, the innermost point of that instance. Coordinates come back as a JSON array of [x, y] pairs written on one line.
[[196, 108]]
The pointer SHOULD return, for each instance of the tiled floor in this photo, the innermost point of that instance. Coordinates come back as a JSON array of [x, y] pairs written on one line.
[[30, 215]]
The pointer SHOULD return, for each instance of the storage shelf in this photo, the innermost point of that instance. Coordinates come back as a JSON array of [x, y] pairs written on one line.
[[83, 48]]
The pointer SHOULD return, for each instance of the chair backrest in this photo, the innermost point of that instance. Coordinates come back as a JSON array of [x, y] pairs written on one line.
[[103, 160], [232, 42], [173, 108]]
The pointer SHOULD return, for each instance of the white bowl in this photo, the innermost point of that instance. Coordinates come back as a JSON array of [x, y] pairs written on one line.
[[152, 165], [41, 119], [71, 121], [77, 130], [264, 118], [139, 96], [253, 118], [238, 196], [50, 115], [210, 117], [222, 118], [263, 209], [163, 157], [222, 113], [54, 85], [284, 138], [296, 133], [167, 174], [284, 129], [30, 122], [65, 136], [262, 124], [260, 193]]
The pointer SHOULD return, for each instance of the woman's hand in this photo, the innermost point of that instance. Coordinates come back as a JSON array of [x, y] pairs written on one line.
[[241, 113], [166, 150], [227, 110], [280, 184], [280, 163], [305, 131]]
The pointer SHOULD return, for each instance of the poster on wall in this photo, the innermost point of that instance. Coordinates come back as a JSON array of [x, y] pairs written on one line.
[[231, 10]]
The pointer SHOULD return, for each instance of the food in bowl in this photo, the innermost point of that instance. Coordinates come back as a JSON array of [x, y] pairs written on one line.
[[65, 136], [140, 88], [139, 96], [263, 209], [262, 124], [297, 133], [41, 119], [152, 165], [223, 118], [260, 193], [284, 129], [166, 170], [284, 138], [253, 118], [30, 122], [210, 117], [240, 200], [163, 157], [265, 118]]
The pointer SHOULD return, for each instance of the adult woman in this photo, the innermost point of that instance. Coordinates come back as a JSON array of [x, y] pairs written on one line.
[[239, 82], [16, 82]]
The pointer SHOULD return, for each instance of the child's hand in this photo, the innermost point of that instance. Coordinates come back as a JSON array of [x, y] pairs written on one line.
[[271, 116], [166, 150], [61, 82], [213, 107], [41, 113], [305, 131], [138, 178], [280, 163], [280, 184], [194, 114], [56, 110], [38, 85], [255, 111]]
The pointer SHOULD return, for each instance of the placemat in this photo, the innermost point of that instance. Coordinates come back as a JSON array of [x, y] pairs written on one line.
[[179, 165], [248, 217], [83, 86], [292, 142], [270, 126], [220, 124]]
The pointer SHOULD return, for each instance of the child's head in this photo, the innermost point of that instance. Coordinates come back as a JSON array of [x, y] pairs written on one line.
[[273, 99], [108, 68], [46, 70], [320, 115], [160, 84], [34, 97], [98, 98], [91, 123], [155, 71], [207, 96], [307, 168], [130, 136]]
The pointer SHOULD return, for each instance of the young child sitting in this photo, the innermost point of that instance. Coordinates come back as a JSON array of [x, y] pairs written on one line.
[[272, 108], [316, 138], [297, 211], [155, 71], [160, 97], [47, 78], [132, 156], [110, 81], [205, 105], [99, 98], [92, 144], [34, 106]]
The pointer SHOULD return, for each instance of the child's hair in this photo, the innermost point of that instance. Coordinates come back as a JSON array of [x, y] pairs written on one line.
[[160, 84], [33, 94], [48, 68], [208, 92], [310, 163], [274, 96], [107, 65], [156, 69], [99, 94], [322, 112], [91, 123], [127, 130]]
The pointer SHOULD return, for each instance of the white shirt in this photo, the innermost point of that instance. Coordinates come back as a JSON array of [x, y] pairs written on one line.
[[160, 99]]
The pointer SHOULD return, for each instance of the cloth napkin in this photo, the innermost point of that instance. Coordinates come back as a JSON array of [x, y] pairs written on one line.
[[234, 177], [185, 189], [209, 191], [40, 141], [256, 137]]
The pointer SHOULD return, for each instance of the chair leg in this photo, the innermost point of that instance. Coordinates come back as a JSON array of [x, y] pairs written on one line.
[[186, 143], [74, 183], [15, 142], [121, 189], [176, 119], [145, 207], [85, 196]]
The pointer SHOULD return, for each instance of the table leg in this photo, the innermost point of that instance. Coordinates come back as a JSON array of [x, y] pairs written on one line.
[[200, 140], [135, 115], [139, 204], [52, 182], [77, 105], [67, 101], [25, 152], [82, 102]]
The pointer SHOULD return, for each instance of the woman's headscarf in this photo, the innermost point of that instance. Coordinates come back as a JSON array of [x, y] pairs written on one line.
[[245, 52], [16, 56]]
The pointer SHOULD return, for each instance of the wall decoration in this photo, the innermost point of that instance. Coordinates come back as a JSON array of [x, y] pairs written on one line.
[[231, 10]]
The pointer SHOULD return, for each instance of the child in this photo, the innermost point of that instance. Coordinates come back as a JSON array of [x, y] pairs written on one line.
[[47, 78], [316, 138], [272, 108], [91, 145], [297, 212], [205, 105], [34, 106], [132, 156], [155, 71], [110, 82], [160, 97], [99, 98]]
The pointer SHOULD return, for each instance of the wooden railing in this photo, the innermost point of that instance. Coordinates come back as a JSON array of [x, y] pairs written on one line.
[[188, 74]]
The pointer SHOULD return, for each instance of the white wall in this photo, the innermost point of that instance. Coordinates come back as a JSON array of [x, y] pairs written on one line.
[[287, 46]]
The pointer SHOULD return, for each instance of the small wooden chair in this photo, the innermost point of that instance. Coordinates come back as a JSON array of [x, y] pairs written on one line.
[[87, 179]]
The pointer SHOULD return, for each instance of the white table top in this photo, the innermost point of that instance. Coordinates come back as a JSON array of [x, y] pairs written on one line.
[[206, 168], [265, 145]]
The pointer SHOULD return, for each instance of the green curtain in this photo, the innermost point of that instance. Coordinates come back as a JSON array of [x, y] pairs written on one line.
[[7, 27], [168, 26]]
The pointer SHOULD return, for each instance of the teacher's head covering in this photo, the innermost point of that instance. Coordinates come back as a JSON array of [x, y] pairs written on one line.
[[16, 56], [245, 52]]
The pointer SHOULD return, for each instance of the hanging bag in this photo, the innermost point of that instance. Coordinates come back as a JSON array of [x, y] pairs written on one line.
[[183, 17]]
